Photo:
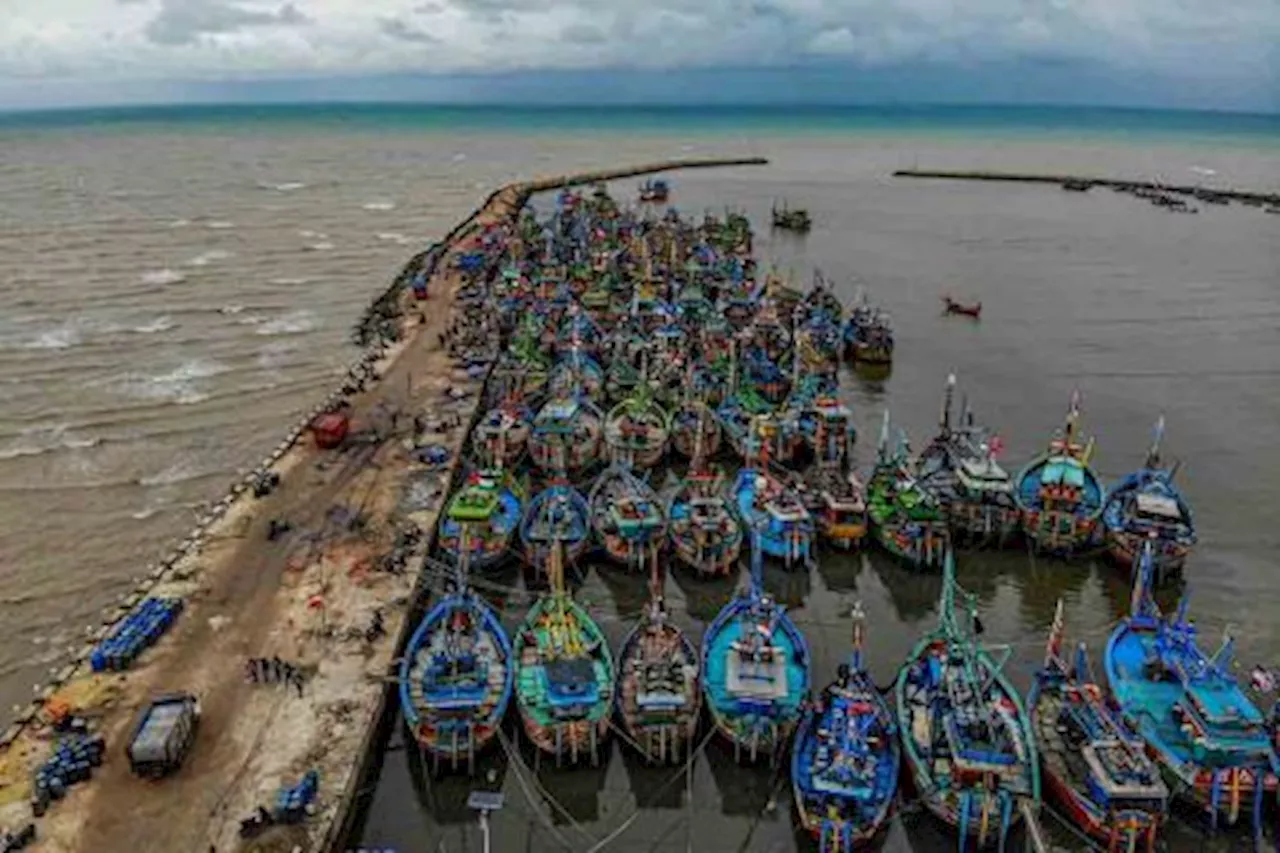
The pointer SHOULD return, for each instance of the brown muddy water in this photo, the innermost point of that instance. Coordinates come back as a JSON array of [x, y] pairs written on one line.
[[173, 299]]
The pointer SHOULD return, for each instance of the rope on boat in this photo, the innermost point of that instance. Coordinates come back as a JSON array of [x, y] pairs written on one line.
[[517, 763]]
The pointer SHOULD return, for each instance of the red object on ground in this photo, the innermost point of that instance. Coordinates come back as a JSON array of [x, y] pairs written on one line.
[[329, 429]]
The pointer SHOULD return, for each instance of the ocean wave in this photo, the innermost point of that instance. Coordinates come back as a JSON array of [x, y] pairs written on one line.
[[205, 258], [459, 157], [312, 235], [379, 205], [290, 280], [220, 225], [293, 323], [286, 187], [393, 237], [162, 276], [322, 246], [233, 308], [179, 472], [46, 438], [273, 355], [159, 324], [63, 337], [180, 385], [180, 223]]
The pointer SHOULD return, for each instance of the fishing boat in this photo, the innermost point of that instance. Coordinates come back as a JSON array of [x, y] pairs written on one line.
[[558, 517], [636, 430], [756, 673], [655, 191], [566, 435], [564, 674], [791, 219], [837, 501], [456, 676], [1095, 768], [704, 532], [964, 309], [1058, 494], [501, 435], [773, 510], [576, 373], [1213, 745], [659, 689], [969, 749], [906, 520], [627, 516], [1146, 502], [959, 468], [484, 513], [827, 427], [844, 766], [694, 426], [868, 336]]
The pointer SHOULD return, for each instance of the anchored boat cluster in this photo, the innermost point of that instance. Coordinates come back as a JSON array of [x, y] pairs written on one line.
[[624, 346]]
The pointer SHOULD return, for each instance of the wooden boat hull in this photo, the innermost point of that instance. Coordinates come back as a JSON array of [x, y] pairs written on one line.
[[790, 541], [1067, 527], [570, 732], [843, 823], [977, 522], [539, 536], [759, 726], [845, 536], [663, 732], [456, 731], [684, 433], [922, 545], [1170, 557], [633, 546]]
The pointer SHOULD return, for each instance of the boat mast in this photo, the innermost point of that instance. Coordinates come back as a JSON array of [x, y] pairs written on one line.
[[1153, 454], [944, 419], [859, 635]]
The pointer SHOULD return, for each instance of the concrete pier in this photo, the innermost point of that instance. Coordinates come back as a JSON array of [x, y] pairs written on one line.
[[1252, 196], [306, 596]]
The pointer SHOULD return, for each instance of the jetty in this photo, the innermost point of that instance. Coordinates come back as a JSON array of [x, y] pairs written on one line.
[[1081, 182], [312, 560]]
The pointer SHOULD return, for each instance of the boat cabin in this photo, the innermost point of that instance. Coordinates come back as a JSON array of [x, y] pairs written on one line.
[[1062, 481], [983, 475], [661, 687], [634, 515], [1157, 510], [845, 760], [476, 503], [572, 688]]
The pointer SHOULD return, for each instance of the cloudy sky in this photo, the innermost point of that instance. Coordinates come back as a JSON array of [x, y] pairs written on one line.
[[1181, 52]]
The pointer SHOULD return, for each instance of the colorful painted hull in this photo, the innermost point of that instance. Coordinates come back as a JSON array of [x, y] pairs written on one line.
[[685, 432], [487, 540], [627, 517], [567, 437], [842, 818], [499, 439], [564, 680], [704, 532], [659, 690], [1065, 528], [557, 516], [453, 716], [786, 529], [1128, 528], [757, 727], [637, 436]]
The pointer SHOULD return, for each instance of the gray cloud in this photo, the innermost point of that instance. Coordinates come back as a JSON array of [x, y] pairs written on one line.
[[401, 30], [183, 22]]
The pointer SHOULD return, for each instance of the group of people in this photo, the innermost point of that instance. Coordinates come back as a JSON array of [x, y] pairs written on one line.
[[273, 670]]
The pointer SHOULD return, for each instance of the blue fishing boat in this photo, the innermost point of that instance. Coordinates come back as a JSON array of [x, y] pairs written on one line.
[[484, 513], [557, 516], [774, 510], [628, 517], [844, 766], [567, 435], [1146, 503], [456, 676], [1095, 768], [969, 749], [756, 670], [1212, 743], [1058, 494], [703, 529], [500, 436]]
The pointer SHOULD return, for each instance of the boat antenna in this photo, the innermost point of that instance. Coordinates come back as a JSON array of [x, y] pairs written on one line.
[[1153, 455], [757, 564], [1140, 602], [945, 419], [859, 634]]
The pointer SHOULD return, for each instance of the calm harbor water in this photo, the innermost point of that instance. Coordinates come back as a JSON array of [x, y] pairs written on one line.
[[174, 296]]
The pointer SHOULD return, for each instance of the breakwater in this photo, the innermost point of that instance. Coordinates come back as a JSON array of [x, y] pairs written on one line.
[[1084, 182], [298, 561]]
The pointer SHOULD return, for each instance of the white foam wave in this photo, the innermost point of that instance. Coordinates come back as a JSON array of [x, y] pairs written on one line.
[[205, 258], [393, 237], [274, 354], [286, 187], [63, 337], [144, 513], [180, 223], [293, 323], [159, 324], [178, 472], [221, 225], [233, 308], [379, 205], [162, 276], [322, 246], [38, 440], [290, 280], [312, 235], [459, 157], [182, 385]]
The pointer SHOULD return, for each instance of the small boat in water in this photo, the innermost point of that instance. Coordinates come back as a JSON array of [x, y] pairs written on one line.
[[500, 436], [827, 427], [456, 676], [959, 468], [1212, 742], [659, 690], [627, 516], [966, 309], [558, 517], [566, 436], [906, 519], [844, 765], [756, 670], [1059, 495], [837, 501], [1096, 770], [636, 430], [655, 191], [484, 513], [1148, 502], [969, 749], [704, 532], [772, 511], [791, 219], [564, 674], [868, 335]]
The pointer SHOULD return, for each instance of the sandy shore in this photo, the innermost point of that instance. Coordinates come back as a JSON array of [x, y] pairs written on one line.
[[307, 596]]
